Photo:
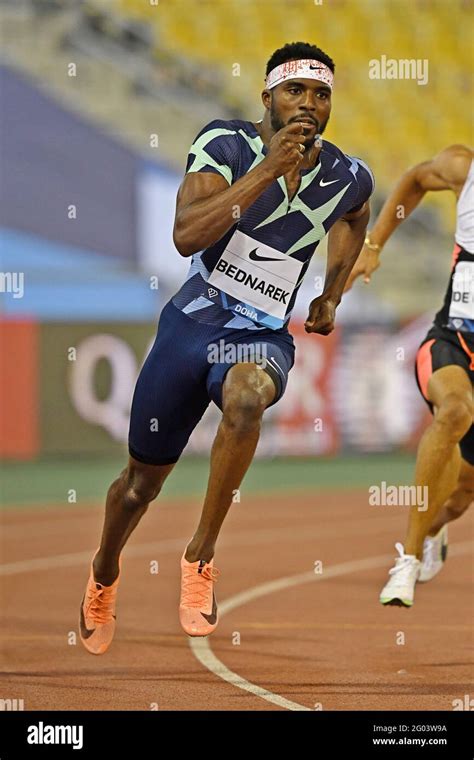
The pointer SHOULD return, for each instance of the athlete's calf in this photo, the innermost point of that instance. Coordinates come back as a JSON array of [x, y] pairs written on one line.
[[247, 392], [127, 501]]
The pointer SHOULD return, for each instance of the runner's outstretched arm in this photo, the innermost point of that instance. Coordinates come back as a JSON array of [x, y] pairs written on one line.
[[446, 171]]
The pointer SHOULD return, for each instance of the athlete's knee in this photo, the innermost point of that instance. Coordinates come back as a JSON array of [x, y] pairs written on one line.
[[458, 503], [466, 478], [243, 405], [140, 488], [243, 411], [463, 496], [455, 415]]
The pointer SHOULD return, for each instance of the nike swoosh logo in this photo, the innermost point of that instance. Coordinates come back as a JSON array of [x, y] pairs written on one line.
[[323, 183], [212, 618], [253, 256], [85, 632], [274, 360]]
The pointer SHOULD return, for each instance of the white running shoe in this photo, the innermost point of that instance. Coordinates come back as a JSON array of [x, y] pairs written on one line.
[[435, 549], [400, 588]]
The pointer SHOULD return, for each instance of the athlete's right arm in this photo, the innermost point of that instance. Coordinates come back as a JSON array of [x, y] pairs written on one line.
[[446, 171], [207, 206]]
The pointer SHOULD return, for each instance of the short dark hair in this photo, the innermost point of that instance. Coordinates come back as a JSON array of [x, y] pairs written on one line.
[[295, 50]]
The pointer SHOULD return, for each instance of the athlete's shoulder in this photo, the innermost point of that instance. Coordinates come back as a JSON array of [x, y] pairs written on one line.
[[225, 146], [361, 171], [453, 163], [353, 163], [223, 127], [329, 147], [448, 170], [216, 149], [457, 150], [364, 172]]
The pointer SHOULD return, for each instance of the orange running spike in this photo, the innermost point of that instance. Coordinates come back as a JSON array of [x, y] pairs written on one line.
[[97, 614], [198, 609]]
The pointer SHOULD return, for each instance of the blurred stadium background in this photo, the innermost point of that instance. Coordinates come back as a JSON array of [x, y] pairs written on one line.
[[100, 101]]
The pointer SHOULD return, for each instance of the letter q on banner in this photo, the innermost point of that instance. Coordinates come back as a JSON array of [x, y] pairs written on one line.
[[111, 413]]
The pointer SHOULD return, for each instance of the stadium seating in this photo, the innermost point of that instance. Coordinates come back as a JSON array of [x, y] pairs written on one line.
[[246, 32], [174, 63]]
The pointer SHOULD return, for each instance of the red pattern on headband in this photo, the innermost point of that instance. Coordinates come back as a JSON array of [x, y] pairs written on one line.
[[306, 68]]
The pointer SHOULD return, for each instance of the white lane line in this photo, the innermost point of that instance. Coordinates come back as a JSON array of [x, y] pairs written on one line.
[[201, 647], [81, 558], [139, 550], [206, 657]]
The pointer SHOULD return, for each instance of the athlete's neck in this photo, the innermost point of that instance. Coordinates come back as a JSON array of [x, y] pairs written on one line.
[[266, 132]]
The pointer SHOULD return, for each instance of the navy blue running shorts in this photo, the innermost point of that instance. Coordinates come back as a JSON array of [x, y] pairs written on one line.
[[183, 373]]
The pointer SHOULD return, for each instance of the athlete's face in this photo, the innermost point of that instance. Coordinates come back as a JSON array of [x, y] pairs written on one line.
[[300, 99]]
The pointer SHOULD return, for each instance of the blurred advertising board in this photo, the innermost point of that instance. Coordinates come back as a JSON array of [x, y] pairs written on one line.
[[67, 389]]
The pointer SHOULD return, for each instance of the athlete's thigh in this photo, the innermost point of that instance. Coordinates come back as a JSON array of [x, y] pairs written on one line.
[[170, 395], [448, 381], [442, 367]]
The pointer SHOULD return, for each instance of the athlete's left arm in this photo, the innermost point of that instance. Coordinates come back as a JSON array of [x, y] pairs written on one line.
[[345, 240]]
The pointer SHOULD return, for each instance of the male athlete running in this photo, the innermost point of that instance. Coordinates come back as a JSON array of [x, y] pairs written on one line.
[[256, 200], [444, 372]]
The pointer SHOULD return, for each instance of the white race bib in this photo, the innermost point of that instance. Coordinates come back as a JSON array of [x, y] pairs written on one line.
[[462, 299], [257, 275]]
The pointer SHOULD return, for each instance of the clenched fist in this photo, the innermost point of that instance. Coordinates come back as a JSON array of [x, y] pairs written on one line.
[[322, 315], [286, 149]]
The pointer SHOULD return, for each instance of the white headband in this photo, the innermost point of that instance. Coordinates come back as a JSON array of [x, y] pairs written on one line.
[[306, 68]]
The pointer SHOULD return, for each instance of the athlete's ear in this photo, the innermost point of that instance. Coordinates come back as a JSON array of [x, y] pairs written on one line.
[[267, 99]]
